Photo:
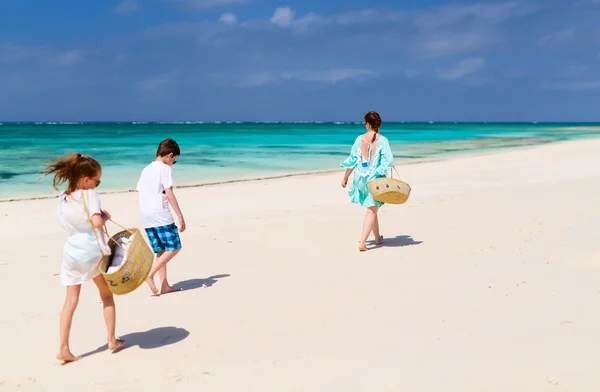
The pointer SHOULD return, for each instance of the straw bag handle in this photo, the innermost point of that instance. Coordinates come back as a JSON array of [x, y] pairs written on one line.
[[122, 227], [392, 174], [87, 211]]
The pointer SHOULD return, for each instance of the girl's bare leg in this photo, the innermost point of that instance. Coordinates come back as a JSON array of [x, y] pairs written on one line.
[[66, 319], [110, 316], [368, 226]]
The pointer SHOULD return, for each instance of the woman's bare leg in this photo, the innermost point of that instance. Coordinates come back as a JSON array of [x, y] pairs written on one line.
[[66, 319], [376, 233], [368, 226], [110, 314]]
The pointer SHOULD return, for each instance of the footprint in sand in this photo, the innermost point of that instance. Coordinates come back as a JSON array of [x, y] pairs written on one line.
[[173, 374]]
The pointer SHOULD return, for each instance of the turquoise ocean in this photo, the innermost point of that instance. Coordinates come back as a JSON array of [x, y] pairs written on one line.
[[218, 152]]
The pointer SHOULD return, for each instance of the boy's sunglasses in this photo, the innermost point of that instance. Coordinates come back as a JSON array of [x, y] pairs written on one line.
[[174, 162]]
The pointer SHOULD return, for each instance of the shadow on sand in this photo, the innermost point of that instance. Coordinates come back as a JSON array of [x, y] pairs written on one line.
[[395, 242], [192, 284], [154, 338]]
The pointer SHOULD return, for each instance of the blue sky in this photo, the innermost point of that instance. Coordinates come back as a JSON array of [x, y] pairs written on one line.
[[264, 60]]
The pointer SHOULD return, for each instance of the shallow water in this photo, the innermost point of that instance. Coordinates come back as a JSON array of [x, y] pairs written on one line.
[[234, 151]]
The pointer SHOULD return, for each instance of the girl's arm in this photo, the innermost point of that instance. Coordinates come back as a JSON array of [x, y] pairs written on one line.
[[99, 220], [98, 216]]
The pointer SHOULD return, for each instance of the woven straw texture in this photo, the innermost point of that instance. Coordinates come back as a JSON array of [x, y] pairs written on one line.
[[136, 268], [389, 190]]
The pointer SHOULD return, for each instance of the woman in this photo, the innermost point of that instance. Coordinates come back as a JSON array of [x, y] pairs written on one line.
[[79, 213], [370, 158]]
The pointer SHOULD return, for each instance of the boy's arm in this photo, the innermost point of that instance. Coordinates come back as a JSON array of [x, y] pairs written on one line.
[[173, 201]]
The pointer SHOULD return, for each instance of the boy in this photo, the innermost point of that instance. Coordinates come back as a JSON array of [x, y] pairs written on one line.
[[155, 192]]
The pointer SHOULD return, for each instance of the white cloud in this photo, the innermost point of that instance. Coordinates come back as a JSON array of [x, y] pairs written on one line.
[[464, 68], [583, 85], [440, 17], [371, 15], [576, 70], [463, 28], [412, 73], [258, 79], [431, 32], [157, 81], [67, 58], [16, 54], [228, 18], [122, 58], [128, 7], [198, 5], [559, 37], [10, 53], [286, 17], [480, 13], [326, 76], [283, 17], [454, 43]]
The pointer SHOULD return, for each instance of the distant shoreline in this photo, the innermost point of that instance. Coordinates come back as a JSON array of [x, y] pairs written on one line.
[[232, 181], [297, 174]]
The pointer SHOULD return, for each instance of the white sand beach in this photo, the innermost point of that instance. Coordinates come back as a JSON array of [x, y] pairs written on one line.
[[488, 280]]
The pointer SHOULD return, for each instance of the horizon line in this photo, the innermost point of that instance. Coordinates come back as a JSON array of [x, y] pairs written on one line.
[[335, 122]]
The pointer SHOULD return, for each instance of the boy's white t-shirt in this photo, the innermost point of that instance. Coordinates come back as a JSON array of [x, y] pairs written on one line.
[[154, 206]]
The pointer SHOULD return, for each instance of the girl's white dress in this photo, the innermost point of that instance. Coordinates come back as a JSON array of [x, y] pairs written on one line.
[[82, 252]]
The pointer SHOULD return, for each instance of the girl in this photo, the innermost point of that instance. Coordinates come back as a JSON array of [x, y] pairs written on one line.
[[80, 215], [372, 157]]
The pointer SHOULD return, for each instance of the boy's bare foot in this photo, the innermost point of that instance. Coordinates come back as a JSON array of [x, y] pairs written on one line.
[[379, 241], [116, 345], [169, 289], [362, 248], [153, 288], [66, 356]]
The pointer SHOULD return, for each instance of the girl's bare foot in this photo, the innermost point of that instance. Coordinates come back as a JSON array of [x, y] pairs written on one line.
[[379, 241], [362, 248], [66, 356], [153, 288], [116, 344]]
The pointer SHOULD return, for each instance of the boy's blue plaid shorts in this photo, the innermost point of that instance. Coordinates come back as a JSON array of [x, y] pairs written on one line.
[[164, 238]]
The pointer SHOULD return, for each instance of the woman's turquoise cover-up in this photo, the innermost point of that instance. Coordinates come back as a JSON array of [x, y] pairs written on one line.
[[381, 161]]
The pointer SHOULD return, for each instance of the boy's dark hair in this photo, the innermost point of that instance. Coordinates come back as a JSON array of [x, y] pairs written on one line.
[[168, 146]]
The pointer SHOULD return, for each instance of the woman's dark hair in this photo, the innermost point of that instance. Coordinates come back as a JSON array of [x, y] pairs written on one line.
[[71, 169], [373, 119], [168, 146]]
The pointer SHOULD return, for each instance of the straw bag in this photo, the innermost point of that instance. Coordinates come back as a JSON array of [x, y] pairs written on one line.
[[134, 271], [389, 190]]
